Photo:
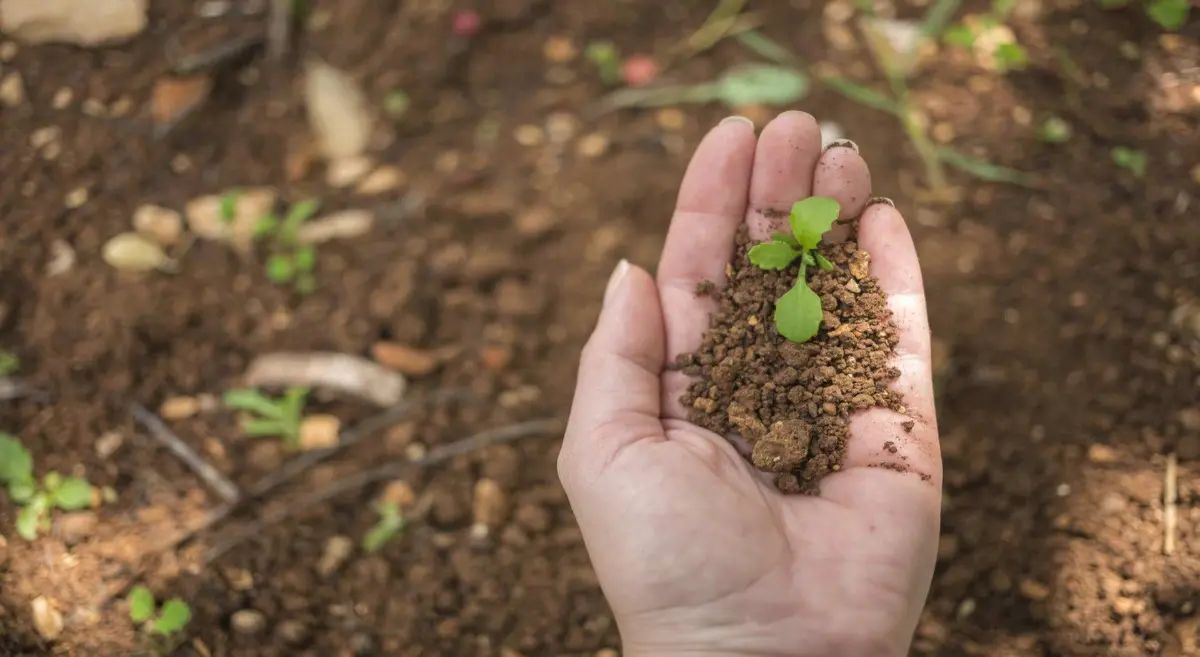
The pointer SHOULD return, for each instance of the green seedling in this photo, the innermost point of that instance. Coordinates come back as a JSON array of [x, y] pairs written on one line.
[[1010, 56], [390, 524], [280, 417], [1054, 130], [229, 202], [798, 312], [291, 262], [1133, 160], [396, 103], [607, 60], [751, 84], [36, 499], [9, 363], [167, 621], [1169, 14]]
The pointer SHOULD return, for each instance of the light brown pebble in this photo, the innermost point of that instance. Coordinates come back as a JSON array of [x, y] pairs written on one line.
[[45, 136], [94, 108], [529, 135], [670, 118], [1034, 590], [561, 127], [593, 145], [943, 133], [8, 51], [559, 49], [382, 180], [47, 620], [1101, 454], [319, 432], [490, 503], [346, 171], [76, 198], [337, 551], [163, 225], [12, 90], [62, 98], [248, 622], [400, 493], [179, 408]]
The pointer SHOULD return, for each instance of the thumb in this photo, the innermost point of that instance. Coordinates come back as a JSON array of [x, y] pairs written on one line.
[[617, 393]]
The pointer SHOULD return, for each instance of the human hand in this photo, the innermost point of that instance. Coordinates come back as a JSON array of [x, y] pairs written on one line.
[[696, 551]]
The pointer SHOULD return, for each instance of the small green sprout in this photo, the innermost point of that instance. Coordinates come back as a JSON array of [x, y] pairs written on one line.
[[1011, 57], [170, 619], [798, 312], [279, 417], [1169, 14], [36, 501], [1133, 160], [1054, 130], [390, 523], [607, 60], [9, 363], [291, 262], [396, 103], [229, 201]]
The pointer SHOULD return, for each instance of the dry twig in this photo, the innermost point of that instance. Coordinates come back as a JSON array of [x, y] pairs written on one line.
[[1169, 511], [390, 471], [219, 483]]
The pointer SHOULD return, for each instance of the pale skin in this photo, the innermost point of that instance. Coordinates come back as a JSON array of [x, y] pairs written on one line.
[[695, 551]]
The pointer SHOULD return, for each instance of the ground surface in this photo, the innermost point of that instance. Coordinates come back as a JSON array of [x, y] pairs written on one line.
[[1065, 317]]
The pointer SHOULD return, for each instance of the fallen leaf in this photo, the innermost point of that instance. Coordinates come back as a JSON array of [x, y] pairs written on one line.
[[342, 225], [174, 98], [409, 361], [343, 373], [133, 252], [338, 112]]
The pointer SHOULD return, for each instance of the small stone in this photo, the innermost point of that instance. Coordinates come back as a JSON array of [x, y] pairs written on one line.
[[1021, 115], [1034, 590], [784, 448], [77, 22], [559, 49], [108, 443], [319, 432], [529, 135], [121, 107], [346, 171], [337, 551], [12, 90], [76, 198], [342, 225], [561, 127], [1101, 454], [47, 620], [292, 631], [163, 225], [852, 286], [415, 451], [94, 108], [670, 118], [76, 527], [490, 503], [179, 408], [43, 137], [8, 51], [400, 493], [404, 359], [943, 133], [593, 145], [536, 221], [382, 180], [248, 622], [496, 358], [214, 8], [860, 265]]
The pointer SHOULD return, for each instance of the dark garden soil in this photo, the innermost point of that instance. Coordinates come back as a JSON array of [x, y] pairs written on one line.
[[790, 403], [1066, 320]]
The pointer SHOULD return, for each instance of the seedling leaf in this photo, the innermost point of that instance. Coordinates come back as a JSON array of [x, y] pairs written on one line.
[[1169, 14], [824, 262], [73, 494], [299, 213], [390, 523], [798, 313], [280, 269], [20, 492], [27, 522], [1054, 130], [249, 399], [1011, 57], [264, 427], [959, 35], [396, 103], [305, 258], [9, 363], [761, 84], [786, 238], [229, 206], [984, 170], [860, 94], [809, 260], [265, 226], [1131, 159], [762, 45], [141, 604], [174, 616], [812, 218], [772, 255], [16, 463]]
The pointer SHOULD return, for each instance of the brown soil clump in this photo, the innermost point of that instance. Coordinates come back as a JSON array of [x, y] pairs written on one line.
[[792, 402]]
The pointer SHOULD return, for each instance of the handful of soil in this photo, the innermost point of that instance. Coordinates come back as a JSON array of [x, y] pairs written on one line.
[[792, 402]]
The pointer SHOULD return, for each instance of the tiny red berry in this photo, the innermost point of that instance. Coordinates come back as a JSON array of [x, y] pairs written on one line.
[[467, 23], [639, 70]]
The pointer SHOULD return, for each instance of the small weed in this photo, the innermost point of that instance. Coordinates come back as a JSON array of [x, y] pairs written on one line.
[[290, 261], [166, 622], [229, 207], [280, 417], [798, 312], [390, 523], [396, 103], [1131, 159], [1054, 130], [1007, 56], [36, 501], [9, 363], [607, 60], [1169, 14]]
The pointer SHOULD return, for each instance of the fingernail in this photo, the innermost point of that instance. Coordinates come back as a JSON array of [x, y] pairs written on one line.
[[737, 119], [881, 200], [614, 279], [842, 143]]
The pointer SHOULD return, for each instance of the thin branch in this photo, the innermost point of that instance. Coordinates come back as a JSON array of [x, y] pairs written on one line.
[[219, 483], [279, 28], [1170, 488], [437, 455]]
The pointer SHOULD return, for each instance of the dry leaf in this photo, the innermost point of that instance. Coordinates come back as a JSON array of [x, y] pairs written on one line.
[[342, 225], [174, 98], [333, 371], [338, 111]]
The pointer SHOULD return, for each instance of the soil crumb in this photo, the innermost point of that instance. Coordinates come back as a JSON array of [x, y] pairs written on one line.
[[792, 402]]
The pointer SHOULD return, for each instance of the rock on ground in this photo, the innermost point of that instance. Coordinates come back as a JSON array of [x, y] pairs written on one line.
[[78, 22]]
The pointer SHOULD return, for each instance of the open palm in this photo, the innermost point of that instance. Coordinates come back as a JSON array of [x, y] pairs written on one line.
[[696, 552]]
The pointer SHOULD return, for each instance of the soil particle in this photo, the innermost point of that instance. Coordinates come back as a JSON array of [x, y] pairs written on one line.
[[750, 378]]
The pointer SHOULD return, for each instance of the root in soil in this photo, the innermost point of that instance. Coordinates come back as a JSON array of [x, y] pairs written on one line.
[[792, 403]]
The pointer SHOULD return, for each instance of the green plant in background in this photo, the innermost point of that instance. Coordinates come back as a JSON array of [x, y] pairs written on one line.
[[1054, 130], [1133, 160], [607, 60], [798, 312], [229, 202], [167, 621], [390, 524], [1169, 14], [1007, 56], [396, 103], [750, 84], [9, 363], [37, 500], [280, 417], [291, 262]]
